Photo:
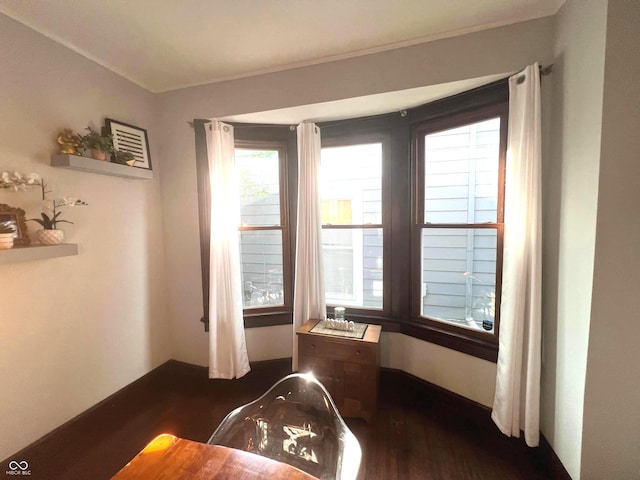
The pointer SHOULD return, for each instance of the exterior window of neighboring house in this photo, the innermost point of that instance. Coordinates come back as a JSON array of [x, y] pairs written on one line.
[[459, 192], [264, 232], [352, 231]]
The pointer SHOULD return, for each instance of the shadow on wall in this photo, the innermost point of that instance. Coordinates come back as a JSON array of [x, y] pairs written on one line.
[[552, 130]]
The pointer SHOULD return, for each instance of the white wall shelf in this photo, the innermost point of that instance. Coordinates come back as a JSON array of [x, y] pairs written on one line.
[[37, 252], [85, 164]]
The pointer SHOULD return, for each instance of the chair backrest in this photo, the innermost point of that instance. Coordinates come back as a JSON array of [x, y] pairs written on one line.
[[294, 422]]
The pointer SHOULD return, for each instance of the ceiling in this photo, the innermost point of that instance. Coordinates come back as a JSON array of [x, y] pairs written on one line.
[[164, 45]]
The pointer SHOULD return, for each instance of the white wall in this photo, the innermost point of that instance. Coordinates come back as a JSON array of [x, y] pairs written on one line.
[[570, 192], [611, 437], [457, 372], [74, 330], [505, 49]]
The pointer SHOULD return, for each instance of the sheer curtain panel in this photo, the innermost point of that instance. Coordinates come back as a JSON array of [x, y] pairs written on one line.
[[308, 297], [516, 403], [227, 347]]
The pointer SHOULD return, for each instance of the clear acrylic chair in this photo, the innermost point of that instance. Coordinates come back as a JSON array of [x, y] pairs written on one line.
[[294, 422]]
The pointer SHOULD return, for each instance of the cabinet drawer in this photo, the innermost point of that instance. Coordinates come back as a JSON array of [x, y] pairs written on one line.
[[353, 352]]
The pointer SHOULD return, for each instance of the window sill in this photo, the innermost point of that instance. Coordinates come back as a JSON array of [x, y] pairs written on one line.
[[480, 346], [459, 340], [454, 339], [271, 319]]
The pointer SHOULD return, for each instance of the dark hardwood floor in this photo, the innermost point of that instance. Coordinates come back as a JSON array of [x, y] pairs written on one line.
[[421, 432]]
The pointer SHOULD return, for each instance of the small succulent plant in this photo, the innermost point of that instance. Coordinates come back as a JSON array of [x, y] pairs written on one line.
[[124, 158]]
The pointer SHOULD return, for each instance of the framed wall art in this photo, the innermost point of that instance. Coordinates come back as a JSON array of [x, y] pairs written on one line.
[[14, 218], [132, 139]]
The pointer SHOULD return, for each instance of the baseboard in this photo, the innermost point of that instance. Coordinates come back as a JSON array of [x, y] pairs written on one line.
[[160, 371], [149, 376], [556, 468], [200, 371], [544, 453], [473, 406]]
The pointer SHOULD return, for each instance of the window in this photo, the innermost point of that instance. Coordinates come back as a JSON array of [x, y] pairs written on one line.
[[412, 213], [352, 228], [264, 233], [458, 227]]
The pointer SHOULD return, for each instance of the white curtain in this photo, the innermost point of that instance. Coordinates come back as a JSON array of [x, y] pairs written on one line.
[[308, 298], [227, 348], [516, 404]]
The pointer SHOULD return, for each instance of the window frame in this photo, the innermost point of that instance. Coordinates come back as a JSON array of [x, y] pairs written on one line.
[[477, 343], [362, 135], [285, 136], [284, 311]]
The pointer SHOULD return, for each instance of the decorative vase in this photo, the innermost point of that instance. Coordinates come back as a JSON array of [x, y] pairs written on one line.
[[50, 237], [6, 241], [98, 154]]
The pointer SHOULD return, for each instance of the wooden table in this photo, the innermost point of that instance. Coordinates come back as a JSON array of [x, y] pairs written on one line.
[[172, 458]]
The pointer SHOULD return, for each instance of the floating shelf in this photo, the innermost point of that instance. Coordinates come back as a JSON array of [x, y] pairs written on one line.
[[85, 164], [37, 252]]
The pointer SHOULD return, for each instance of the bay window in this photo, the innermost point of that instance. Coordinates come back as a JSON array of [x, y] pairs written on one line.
[[412, 210]]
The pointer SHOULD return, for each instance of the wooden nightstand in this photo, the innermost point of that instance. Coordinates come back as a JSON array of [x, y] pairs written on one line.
[[347, 367]]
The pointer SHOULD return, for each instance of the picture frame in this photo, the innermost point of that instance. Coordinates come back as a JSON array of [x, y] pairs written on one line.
[[15, 217], [129, 138]]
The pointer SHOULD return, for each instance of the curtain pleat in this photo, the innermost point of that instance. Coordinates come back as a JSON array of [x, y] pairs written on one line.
[[308, 298], [227, 346], [204, 212], [516, 403]]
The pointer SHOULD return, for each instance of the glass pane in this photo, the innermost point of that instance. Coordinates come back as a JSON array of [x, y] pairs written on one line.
[[459, 276], [461, 174], [259, 186], [353, 267], [261, 264], [351, 184]]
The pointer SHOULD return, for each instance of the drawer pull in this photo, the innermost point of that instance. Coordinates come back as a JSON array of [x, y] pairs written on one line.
[[357, 352], [313, 346]]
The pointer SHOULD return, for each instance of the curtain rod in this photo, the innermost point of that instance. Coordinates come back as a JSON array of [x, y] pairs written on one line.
[[251, 125], [544, 71]]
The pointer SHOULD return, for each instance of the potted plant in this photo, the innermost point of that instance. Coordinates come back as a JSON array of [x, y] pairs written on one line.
[[100, 145], [6, 235], [50, 217], [124, 158]]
